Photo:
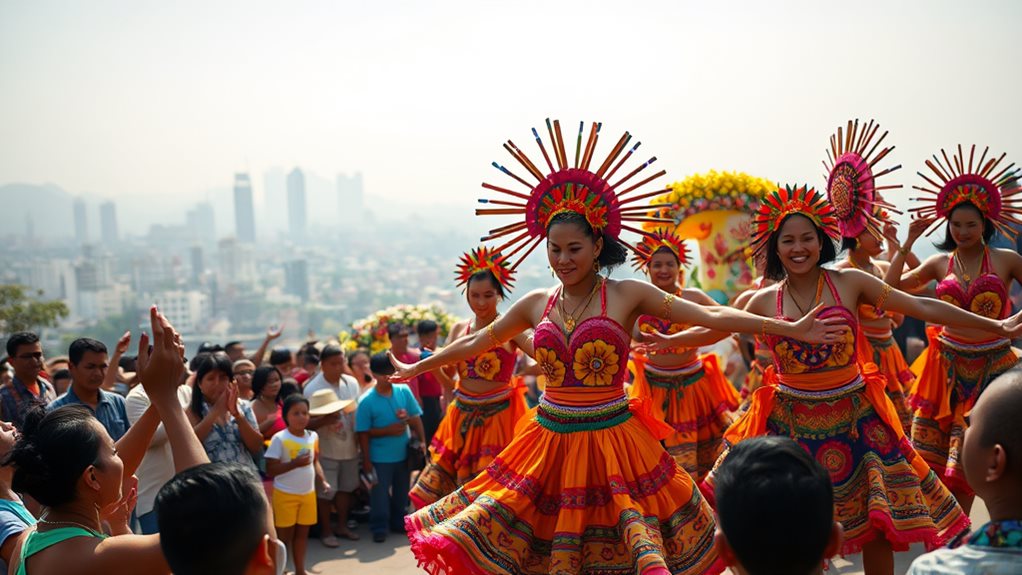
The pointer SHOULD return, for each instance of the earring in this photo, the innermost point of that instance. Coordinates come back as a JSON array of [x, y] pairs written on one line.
[[551, 271], [596, 265]]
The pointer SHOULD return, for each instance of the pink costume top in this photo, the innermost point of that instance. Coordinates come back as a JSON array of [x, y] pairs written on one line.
[[986, 295], [496, 365], [651, 323]]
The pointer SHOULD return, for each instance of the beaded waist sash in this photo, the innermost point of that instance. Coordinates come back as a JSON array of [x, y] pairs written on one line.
[[563, 418], [969, 348], [853, 385]]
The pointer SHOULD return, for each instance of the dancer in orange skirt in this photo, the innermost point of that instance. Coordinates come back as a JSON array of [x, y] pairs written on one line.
[[861, 217], [584, 486], [885, 495], [687, 391], [480, 421], [959, 362], [761, 357]]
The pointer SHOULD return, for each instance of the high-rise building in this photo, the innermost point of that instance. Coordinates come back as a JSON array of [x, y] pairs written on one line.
[[350, 198], [201, 224], [235, 263], [198, 263], [244, 212], [108, 223], [81, 222], [296, 214], [296, 278]]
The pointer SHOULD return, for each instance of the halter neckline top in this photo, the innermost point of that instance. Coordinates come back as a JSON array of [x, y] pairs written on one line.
[[496, 365], [985, 295], [595, 354], [794, 356]]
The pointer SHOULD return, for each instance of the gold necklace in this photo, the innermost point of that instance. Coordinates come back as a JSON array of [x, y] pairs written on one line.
[[72, 524], [819, 294], [965, 271], [569, 318]]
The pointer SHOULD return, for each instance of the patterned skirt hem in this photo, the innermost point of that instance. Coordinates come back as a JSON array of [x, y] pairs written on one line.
[[900, 540]]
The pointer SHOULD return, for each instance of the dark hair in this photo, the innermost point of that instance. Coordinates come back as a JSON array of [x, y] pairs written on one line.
[[613, 253], [261, 376], [195, 510], [280, 356], [774, 269], [54, 450], [848, 244], [61, 374], [210, 347], [81, 345], [483, 275], [330, 351], [427, 326], [379, 364], [357, 352], [1001, 424], [288, 386], [395, 328], [19, 339], [206, 364], [775, 506], [949, 242], [128, 362], [311, 356], [230, 344], [290, 401]]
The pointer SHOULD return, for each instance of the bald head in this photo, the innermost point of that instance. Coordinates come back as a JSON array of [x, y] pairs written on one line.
[[999, 407]]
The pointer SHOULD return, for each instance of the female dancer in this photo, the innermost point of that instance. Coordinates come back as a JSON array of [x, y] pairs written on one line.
[[584, 486], [852, 191], [961, 360], [885, 496], [480, 422], [687, 391]]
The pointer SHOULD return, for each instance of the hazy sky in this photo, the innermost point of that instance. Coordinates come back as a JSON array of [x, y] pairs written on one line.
[[152, 97]]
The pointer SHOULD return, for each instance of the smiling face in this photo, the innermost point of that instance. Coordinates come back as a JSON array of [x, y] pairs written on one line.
[[482, 295], [664, 270], [798, 245], [571, 253], [966, 226]]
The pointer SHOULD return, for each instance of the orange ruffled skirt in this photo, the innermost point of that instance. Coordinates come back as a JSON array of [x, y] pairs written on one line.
[[584, 487], [696, 400], [883, 351], [754, 379], [952, 375], [475, 429], [882, 487]]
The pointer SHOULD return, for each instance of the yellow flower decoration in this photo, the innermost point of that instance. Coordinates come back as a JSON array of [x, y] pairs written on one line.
[[711, 191], [596, 363], [552, 367], [487, 365], [986, 304]]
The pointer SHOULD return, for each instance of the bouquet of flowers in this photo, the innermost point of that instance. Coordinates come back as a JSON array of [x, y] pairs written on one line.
[[712, 191], [371, 332]]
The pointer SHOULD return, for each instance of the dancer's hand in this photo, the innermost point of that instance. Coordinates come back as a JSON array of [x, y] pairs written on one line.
[[652, 342], [916, 229], [403, 371], [1012, 326], [812, 329]]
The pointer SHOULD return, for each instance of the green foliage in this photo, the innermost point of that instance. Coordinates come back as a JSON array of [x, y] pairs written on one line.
[[23, 310]]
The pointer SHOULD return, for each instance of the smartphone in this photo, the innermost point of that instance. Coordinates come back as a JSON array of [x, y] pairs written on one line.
[[302, 453]]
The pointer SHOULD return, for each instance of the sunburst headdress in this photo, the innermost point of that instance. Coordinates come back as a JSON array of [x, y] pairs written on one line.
[[653, 242], [996, 195], [791, 200], [608, 205], [483, 259], [851, 179]]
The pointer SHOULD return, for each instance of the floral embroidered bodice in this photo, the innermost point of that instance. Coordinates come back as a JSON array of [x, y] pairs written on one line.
[[985, 295], [793, 356]]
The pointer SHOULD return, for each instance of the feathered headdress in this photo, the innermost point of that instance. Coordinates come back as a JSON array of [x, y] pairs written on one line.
[[652, 243], [997, 196], [851, 179], [483, 259], [607, 205], [786, 201]]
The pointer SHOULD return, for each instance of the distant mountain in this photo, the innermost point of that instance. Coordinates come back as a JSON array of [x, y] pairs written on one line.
[[50, 207]]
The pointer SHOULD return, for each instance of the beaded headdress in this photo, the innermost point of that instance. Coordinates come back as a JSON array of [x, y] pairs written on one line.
[[484, 259], [786, 201], [851, 179], [996, 195], [607, 204], [652, 243]]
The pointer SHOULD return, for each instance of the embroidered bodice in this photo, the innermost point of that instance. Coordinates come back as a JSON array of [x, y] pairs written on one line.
[[986, 295], [793, 356], [496, 365]]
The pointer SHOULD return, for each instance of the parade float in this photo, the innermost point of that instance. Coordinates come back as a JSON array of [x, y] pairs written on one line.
[[371, 332]]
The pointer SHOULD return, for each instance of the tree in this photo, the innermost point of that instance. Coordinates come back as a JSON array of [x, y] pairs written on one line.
[[21, 310]]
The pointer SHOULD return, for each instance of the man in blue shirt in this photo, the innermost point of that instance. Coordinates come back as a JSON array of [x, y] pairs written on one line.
[[88, 365], [384, 415]]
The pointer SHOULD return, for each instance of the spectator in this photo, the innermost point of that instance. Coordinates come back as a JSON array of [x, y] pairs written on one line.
[[382, 421], [293, 461], [157, 467], [430, 389], [268, 403], [66, 460], [310, 366], [225, 424], [338, 444], [775, 509], [992, 458], [14, 517], [88, 370], [27, 388], [398, 335], [243, 371], [231, 500], [61, 381], [358, 361], [281, 359], [55, 364], [236, 349]]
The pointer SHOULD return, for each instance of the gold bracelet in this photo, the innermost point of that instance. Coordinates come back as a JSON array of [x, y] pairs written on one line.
[[766, 320], [668, 301], [493, 338], [904, 251], [884, 292]]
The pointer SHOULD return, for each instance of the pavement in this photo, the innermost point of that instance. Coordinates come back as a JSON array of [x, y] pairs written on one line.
[[394, 557]]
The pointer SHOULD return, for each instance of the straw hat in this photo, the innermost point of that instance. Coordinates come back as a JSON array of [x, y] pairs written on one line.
[[325, 402]]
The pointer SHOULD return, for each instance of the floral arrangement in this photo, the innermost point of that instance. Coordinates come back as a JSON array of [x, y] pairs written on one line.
[[371, 332], [712, 191]]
